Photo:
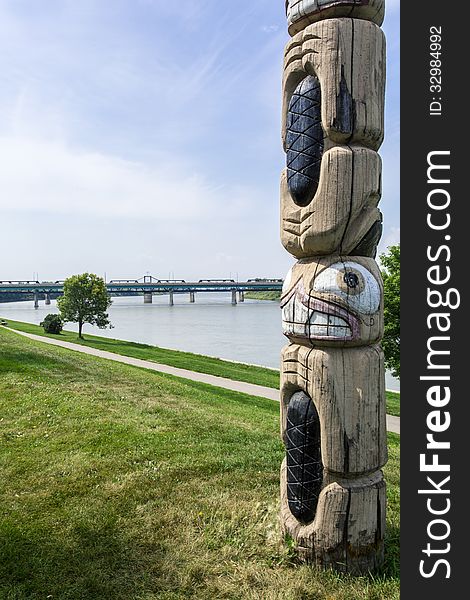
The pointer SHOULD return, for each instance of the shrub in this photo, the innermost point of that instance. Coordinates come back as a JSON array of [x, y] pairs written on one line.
[[391, 339], [52, 324]]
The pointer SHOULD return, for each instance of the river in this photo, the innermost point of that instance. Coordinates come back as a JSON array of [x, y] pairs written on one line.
[[249, 332]]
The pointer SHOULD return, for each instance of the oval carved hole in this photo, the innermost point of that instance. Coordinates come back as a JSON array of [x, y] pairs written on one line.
[[304, 462], [304, 140]]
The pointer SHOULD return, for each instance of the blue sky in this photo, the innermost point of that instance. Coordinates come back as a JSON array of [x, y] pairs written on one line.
[[144, 136]]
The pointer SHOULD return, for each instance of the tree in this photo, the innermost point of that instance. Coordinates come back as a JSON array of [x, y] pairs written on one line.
[[391, 339], [52, 324], [85, 300]]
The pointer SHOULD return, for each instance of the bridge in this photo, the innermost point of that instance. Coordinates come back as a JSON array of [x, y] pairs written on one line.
[[148, 286]]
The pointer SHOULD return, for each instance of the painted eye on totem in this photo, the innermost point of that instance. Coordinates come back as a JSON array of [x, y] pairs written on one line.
[[353, 283]]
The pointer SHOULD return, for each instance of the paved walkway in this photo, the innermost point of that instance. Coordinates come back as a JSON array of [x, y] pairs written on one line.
[[393, 423]]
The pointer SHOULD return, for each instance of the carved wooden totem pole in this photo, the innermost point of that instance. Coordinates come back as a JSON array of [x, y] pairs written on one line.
[[332, 376]]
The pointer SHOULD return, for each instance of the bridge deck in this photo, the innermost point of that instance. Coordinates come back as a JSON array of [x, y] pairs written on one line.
[[155, 286]]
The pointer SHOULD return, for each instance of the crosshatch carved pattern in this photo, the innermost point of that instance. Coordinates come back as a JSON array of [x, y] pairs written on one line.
[[304, 464], [304, 140], [333, 494]]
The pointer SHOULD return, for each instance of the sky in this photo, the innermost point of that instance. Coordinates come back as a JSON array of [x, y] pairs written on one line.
[[143, 136]]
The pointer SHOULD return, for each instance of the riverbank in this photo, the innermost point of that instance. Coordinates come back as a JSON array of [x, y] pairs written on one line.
[[165, 356], [263, 295], [120, 483], [248, 333], [185, 360]]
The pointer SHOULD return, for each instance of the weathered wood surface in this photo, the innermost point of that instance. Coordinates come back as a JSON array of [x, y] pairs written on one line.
[[333, 419], [348, 57], [347, 525], [347, 533], [343, 209], [333, 301], [302, 12], [347, 387]]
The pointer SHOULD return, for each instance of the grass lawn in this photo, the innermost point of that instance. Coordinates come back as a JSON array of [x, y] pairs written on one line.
[[263, 295], [393, 403], [174, 358], [184, 360], [125, 484]]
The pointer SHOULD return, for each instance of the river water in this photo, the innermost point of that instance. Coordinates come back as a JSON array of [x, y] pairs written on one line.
[[249, 332]]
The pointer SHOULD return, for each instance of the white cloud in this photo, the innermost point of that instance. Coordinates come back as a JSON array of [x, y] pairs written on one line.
[[270, 28], [50, 177], [391, 237], [123, 125]]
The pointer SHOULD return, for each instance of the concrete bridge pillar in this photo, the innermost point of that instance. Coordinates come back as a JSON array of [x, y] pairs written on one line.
[[148, 298], [47, 299], [192, 296], [171, 301], [241, 296], [234, 297], [36, 300]]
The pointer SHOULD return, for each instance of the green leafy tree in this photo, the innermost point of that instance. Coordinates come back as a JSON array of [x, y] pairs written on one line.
[[85, 300], [52, 324], [391, 340]]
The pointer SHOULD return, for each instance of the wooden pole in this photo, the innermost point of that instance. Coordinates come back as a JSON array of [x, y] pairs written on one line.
[[332, 379]]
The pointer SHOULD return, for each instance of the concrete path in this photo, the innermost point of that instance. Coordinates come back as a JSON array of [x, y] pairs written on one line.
[[393, 423]]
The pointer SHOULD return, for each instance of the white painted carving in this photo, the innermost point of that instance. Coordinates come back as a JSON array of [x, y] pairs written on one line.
[[297, 10], [287, 282], [334, 309], [353, 283], [307, 317]]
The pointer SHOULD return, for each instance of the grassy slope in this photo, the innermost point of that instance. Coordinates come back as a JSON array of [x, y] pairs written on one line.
[[175, 358], [393, 403], [121, 483], [185, 360], [263, 295]]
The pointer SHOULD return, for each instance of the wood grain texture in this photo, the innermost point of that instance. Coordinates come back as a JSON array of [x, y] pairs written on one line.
[[333, 301], [348, 57], [347, 533], [333, 419], [343, 209], [303, 12], [347, 387]]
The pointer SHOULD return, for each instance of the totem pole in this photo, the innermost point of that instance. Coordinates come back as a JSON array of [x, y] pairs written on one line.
[[332, 373]]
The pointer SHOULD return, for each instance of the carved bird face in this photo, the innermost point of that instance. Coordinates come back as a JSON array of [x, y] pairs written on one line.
[[333, 301]]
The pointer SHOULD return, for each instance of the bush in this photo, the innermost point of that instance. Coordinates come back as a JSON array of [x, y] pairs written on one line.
[[52, 324], [391, 339]]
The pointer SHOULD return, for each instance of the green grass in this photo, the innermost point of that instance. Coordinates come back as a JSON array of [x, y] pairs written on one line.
[[263, 295], [123, 484], [393, 403], [174, 358], [184, 360]]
